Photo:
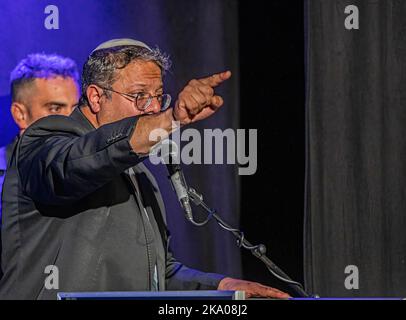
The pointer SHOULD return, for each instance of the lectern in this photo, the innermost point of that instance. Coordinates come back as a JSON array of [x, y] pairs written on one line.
[[154, 295]]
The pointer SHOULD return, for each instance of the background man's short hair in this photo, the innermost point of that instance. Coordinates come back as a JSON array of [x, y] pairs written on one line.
[[101, 66], [41, 65]]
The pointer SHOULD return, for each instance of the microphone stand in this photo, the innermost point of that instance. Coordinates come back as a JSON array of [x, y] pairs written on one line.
[[258, 251]]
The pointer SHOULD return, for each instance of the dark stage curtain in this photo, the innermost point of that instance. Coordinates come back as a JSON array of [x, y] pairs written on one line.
[[356, 148], [201, 36]]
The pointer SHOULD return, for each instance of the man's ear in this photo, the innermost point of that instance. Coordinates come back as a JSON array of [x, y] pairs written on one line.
[[94, 95], [20, 115]]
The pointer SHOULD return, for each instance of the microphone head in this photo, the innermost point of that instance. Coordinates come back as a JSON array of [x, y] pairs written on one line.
[[168, 151]]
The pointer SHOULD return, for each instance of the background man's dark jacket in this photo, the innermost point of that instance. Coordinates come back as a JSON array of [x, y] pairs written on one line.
[[69, 202], [5, 153]]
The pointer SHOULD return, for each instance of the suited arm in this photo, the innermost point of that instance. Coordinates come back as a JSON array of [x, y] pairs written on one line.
[[58, 164], [180, 277]]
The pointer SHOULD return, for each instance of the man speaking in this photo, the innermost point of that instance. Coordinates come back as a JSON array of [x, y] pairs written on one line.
[[81, 202]]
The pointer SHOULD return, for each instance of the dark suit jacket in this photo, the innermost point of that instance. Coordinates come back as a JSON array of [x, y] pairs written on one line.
[[5, 154], [69, 202]]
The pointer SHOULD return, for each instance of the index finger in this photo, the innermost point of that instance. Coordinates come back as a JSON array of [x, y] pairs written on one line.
[[215, 79]]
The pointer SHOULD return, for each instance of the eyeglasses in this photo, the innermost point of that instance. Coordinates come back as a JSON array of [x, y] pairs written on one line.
[[143, 100]]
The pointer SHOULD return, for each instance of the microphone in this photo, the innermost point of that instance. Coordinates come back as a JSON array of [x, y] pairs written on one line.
[[170, 156]]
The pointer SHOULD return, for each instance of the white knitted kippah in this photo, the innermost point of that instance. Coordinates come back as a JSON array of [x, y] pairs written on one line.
[[121, 42]]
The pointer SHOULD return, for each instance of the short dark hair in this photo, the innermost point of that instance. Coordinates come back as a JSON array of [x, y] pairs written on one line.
[[41, 65], [101, 66]]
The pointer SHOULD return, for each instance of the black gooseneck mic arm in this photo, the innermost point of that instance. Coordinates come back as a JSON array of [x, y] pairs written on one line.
[[258, 251]]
